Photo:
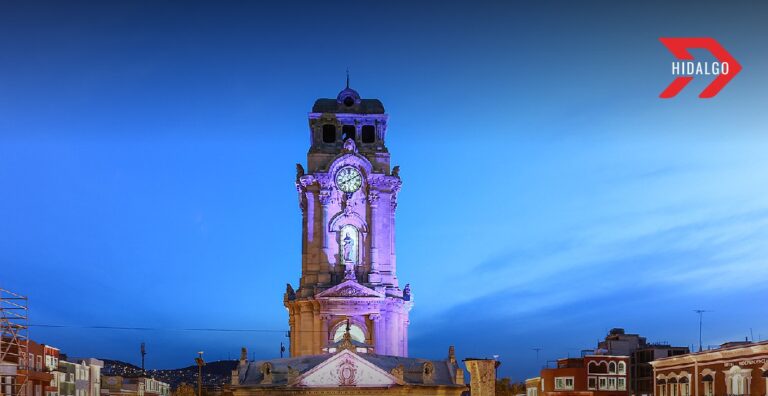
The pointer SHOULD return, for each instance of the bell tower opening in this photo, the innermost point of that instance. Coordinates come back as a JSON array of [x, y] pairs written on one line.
[[347, 132], [329, 133]]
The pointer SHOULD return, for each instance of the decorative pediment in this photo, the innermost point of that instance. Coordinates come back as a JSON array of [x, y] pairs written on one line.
[[350, 288], [345, 369]]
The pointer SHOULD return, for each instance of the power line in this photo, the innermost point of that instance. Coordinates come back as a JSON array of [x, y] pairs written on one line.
[[212, 329], [155, 328]]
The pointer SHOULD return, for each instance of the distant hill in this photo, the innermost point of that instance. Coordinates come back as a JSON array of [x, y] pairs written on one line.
[[215, 374]]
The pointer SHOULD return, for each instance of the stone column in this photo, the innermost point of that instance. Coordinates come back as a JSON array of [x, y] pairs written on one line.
[[317, 334], [305, 334], [325, 201], [393, 338], [406, 323], [392, 251], [373, 199], [378, 333], [324, 324], [292, 324]]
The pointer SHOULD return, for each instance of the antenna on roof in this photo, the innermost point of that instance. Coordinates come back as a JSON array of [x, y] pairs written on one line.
[[347, 77], [701, 315]]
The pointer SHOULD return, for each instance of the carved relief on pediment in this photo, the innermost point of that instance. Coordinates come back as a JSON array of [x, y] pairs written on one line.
[[350, 289], [346, 369]]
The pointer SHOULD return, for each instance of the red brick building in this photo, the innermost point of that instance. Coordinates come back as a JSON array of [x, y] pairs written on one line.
[[32, 368], [735, 369], [592, 375]]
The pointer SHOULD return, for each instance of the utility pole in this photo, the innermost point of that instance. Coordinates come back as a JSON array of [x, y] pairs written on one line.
[[701, 319], [537, 349], [200, 363], [143, 353]]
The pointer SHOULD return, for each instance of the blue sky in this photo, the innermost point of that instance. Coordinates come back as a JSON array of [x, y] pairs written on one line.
[[147, 155]]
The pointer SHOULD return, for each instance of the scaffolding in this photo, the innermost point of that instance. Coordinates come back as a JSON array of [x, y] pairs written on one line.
[[14, 343]]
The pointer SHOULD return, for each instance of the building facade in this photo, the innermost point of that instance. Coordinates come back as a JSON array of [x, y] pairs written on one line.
[[66, 373], [51, 364], [118, 385], [348, 196], [641, 354], [591, 375], [733, 370], [33, 371]]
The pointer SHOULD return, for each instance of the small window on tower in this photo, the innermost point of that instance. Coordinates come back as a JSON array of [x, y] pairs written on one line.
[[329, 133], [347, 132], [369, 133]]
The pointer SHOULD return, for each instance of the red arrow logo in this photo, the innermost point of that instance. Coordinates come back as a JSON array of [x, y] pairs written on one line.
[[679, 48]]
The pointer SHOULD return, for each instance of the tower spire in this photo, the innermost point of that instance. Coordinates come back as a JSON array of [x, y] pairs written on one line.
[[347, 77]]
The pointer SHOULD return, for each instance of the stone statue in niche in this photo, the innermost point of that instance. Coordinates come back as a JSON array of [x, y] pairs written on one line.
[[349, 244], [347, 251], [407, 292]]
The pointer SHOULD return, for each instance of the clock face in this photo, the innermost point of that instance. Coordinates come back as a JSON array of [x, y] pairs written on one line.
[[349, 179]]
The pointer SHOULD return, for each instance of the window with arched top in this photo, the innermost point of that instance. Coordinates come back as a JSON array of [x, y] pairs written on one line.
[[709, 385], [597, 368], [355, 332], [622, 368], [737, 380], [612, 368]]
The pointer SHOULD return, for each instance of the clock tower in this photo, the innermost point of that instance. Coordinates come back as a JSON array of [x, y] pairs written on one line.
[[349, 290]]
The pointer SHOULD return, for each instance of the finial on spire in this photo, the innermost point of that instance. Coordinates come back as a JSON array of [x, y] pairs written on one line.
[[347, 77]]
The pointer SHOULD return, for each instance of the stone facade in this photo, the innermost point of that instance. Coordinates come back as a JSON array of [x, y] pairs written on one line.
[[482, 374], [734, 370], [348, 197]]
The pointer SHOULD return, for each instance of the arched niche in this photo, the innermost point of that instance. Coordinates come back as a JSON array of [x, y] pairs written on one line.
[[339, 328], [343, 218]]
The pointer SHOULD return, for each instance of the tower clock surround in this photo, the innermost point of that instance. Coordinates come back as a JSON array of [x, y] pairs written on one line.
[[348, 198]]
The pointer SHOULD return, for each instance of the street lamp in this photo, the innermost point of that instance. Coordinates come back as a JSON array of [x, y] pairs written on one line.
[[200, 363]]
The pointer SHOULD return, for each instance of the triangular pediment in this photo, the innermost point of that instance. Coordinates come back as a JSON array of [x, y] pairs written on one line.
[[350, 288], [345, 368]]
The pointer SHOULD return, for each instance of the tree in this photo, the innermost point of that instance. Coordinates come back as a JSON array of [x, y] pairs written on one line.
[[505, 387], [184, 389]]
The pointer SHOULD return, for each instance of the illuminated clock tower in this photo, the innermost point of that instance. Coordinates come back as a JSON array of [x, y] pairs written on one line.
[[348, 196]]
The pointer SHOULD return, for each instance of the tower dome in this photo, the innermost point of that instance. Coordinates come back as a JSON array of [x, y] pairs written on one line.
[[348, 97]]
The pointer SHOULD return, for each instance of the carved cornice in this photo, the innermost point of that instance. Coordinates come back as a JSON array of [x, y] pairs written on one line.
[[384, 183], [373, 198], [306, 181], [326, 197]]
